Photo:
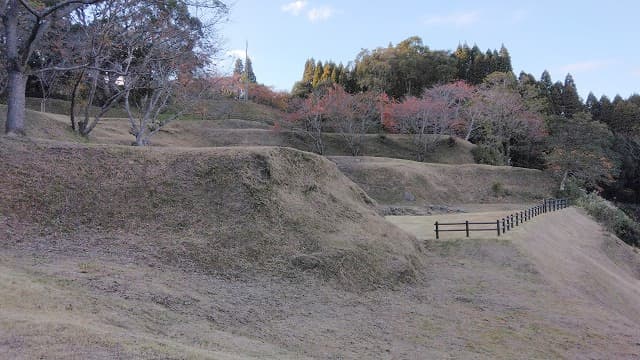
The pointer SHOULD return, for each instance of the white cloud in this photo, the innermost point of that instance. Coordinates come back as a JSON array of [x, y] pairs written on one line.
[[586, 66], [320, 13], [295, 7], [455, 19], [236, 53]]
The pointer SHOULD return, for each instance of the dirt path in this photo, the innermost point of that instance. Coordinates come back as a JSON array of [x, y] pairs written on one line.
[[422, 227]]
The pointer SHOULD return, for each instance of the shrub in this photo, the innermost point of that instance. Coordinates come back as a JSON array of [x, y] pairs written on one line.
[[572, 191], [483, 154], [614, 219]]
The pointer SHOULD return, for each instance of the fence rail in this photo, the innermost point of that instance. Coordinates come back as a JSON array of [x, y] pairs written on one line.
[[501, 226]]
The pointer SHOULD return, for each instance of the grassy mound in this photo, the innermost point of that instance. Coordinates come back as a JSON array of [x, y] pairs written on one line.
[[402, 182], [242, 124], [226, 209]]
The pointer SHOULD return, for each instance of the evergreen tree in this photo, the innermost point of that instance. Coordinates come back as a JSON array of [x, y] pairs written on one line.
[[335, 75], [463, 61], [238, 68], [326, 72], [592, 105], [249, 72], [571, 102], [555, 98], [504, 60], [317, 74], [309, 69], [606, 110]]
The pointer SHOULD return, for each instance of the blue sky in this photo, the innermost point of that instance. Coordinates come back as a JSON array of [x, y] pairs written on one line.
[[595, 41]]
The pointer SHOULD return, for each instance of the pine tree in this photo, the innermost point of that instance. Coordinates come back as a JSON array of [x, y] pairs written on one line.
[[463, 59], [545, 83], [571, 102], [309, 68], [238, 68], [504, 60], [326, 72], [335, 77], [555, 98], [592, 105], [249, 71], [317, 74], [606, 110]]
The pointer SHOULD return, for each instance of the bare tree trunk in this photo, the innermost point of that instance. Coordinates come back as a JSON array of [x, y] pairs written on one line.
[[16, 103], [564, 180], [17, 81], [72, 107]]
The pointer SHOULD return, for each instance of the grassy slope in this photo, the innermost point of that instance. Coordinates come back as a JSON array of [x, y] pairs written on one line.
[[243, 124], [475, 298], [224, 209], [387, 181], [230, 253]]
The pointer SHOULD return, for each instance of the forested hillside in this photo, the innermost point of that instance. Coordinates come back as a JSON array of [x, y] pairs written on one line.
[[515, 120]]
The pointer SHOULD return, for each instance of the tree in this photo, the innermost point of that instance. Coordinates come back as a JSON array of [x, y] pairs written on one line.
[[506, 121], [571, 102], [352, 116], [317, 74], [251, 76], [238, 68], [27, 24], [161, 67], [581, 151], [309, 70], [24, 27], [309, 114], [503, 60], [592, 105]]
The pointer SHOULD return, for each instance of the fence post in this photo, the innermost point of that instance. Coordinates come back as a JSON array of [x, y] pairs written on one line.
[[466, 227], [517, 222], [512, 226], [437, 234], [504, 226], [498, 226]]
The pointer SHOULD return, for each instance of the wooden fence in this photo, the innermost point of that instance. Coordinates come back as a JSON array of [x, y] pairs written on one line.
[[501, 226]]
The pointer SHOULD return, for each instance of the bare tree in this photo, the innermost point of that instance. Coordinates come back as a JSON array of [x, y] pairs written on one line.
[[24, 27], [309, 114], [352, 116], [94, 48]]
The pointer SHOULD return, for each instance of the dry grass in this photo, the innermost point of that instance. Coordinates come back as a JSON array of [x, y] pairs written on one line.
[[225, 209], [236, 130], [388, 180], [475, 298]]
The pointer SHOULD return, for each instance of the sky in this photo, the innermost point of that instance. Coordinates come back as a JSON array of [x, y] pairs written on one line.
[[595, 41]]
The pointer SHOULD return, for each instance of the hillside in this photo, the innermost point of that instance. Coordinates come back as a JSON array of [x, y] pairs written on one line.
[[592, 279], [236, 209], [252, 130], [241, 253], [402, 183], [185, 251]]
